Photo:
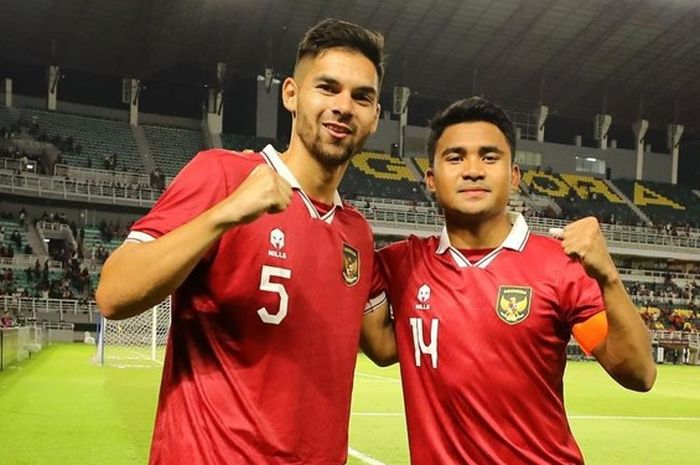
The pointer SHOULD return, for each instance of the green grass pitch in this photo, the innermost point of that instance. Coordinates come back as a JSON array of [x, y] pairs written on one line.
[[59, 408]]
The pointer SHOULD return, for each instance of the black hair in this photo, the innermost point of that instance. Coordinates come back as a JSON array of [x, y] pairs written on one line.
[[332, 33], [468, 110]]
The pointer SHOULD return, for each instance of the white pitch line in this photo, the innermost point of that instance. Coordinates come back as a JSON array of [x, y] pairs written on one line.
[[376, 414], [364, 458], [571, 417], [383, 378], [613, 417]]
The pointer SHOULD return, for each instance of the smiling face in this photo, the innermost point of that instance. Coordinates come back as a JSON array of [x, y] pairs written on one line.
[[333, 97], [472, 173]]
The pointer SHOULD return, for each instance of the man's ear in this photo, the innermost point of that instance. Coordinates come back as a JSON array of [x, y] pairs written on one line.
[[515, 176], [430, 180], [290, 92], [376, 118]]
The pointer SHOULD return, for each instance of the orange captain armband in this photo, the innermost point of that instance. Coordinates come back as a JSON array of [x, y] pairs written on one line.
[[591, 332]]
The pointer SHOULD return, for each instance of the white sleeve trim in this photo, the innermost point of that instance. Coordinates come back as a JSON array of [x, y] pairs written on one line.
[[139, 237], [374, 303]]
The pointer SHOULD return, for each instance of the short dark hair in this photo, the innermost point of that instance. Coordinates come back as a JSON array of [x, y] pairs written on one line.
[[332, 33], [472, 109]]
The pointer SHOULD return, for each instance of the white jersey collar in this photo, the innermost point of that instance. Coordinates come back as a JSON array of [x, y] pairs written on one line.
[[515, 240], [272, 158]]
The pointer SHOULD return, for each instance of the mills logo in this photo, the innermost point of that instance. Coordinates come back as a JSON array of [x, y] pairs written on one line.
[[277, 244], [423, 298]]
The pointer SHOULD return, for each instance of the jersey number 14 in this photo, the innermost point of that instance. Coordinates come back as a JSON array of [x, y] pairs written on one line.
[[419, 345]]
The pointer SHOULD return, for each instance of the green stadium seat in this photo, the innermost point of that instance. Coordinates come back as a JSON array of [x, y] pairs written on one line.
[[172, 148]]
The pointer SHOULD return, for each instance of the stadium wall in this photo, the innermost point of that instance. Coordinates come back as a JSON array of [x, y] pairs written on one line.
[[622, 163], [388, 134]]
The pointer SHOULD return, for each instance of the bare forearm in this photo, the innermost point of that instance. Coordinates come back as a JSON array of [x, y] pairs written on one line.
[[378, 340], [138, 276], [626, 351]]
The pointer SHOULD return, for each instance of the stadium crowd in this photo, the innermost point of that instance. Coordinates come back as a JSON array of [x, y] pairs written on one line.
[[658, 302]]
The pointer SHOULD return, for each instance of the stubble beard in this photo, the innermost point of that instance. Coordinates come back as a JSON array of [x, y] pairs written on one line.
[[328, 154]]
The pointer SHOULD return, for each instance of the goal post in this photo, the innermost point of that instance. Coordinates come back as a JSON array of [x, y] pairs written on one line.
[[134, 342]]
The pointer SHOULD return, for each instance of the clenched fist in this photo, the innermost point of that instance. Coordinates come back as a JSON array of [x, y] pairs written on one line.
[[583, 240], [263, 191]]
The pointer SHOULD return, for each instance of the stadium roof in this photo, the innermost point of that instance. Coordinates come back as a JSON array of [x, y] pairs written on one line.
[[580, 57]]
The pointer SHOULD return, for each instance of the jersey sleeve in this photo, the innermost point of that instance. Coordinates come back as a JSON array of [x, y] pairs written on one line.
[[377, 293], [579, 294], [200, 185], [387, 262]]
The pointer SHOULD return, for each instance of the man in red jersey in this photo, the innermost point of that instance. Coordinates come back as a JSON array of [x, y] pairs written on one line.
[[483, 313], [270, 274]]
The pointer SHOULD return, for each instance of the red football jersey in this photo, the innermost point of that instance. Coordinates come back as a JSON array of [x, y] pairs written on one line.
[[265, 330], [482, 347]]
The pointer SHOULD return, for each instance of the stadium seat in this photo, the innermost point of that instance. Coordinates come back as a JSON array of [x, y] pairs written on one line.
[[662, 202], [172, 148], [581, 195], [10, 227], [376, 174], [99, 138], [239, 142]]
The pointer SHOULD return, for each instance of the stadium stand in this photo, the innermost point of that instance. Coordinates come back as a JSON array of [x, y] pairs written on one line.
[[98, 139], [12, 235], [6, 119], [375, 174], [385, 188], [580, 195], [97, 247], [240, 142], [421, 164], [171, 147], [663, 203]]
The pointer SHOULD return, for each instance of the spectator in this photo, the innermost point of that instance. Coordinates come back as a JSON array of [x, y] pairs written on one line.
[[17, 239], [6, 320]]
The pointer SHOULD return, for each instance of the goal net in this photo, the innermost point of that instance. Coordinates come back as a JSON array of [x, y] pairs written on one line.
[[135, 342]]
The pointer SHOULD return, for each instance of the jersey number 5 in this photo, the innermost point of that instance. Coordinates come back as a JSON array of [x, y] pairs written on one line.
[[266, 273]]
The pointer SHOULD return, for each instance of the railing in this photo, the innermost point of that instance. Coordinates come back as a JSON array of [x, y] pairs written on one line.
[[23, 261], [69, 189], [58, 325], [639, 236], [391, 206], [52, 226], [403, 217], [636, 236], [660, 301], [689, 338], [676, 275], [38, 306], [387, 201], [10, 164], [100, 176]]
